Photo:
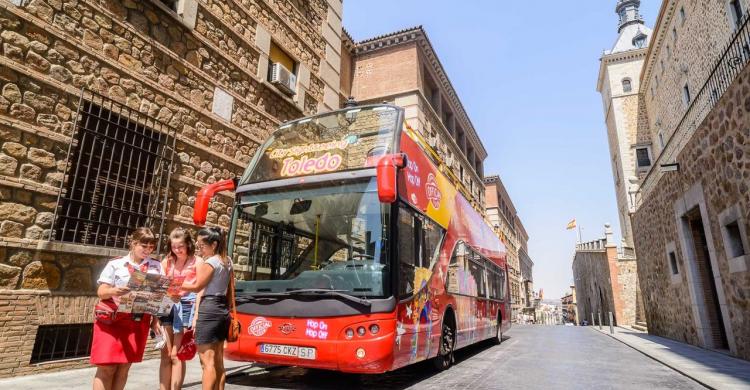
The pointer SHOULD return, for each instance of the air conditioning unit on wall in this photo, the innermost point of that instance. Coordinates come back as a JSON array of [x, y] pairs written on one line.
[[283, 78]]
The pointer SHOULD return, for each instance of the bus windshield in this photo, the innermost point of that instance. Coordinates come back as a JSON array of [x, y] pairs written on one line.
[[321, 238], [333, 142]]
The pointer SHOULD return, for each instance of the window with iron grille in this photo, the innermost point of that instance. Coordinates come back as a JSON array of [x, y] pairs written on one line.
[[117, 175], [643, 157], [59, 342]]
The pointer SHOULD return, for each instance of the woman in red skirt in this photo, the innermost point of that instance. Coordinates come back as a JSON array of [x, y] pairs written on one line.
[[121, 341]]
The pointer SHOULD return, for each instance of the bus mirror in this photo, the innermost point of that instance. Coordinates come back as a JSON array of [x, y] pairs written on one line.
[[300, 206], [387, 170], [261, 210], [204, 195]]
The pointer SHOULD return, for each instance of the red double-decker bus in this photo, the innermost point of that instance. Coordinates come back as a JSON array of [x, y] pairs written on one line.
[[358, 250]]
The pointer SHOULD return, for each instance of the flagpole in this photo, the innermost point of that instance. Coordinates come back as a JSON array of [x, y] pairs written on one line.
[[580, 241]]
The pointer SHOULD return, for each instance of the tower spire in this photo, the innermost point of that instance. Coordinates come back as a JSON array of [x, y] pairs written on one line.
[[628, 12]]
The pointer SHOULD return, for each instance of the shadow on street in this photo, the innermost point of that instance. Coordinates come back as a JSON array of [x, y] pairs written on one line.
[[280, 377]]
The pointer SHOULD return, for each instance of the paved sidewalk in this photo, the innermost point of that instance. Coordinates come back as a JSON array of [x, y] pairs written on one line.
[[143, 375], [711, 369]]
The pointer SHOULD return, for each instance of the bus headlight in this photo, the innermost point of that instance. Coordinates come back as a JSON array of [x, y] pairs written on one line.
[[361, 331], [374, 329], [349, 333]]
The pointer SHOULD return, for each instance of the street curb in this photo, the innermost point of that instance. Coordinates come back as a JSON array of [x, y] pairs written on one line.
[[684, 373]]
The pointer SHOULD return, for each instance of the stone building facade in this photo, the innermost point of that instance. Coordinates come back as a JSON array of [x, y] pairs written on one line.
[[190, 78], [603, 282], [403, 68], [691, 222], [502, 216], [527, 280], [569, 310], [618, 83]]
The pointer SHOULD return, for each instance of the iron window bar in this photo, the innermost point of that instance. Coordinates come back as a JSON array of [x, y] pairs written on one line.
[[60, 342], [117, 174]]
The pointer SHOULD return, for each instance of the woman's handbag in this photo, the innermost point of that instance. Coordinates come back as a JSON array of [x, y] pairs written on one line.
[[105, 312], [187, 349], [234, 324]]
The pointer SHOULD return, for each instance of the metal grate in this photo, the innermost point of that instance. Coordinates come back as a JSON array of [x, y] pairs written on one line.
[[118, 170], [59, 342]]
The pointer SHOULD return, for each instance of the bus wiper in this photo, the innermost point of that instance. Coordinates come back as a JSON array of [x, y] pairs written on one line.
[[250, 296], [338, 293]]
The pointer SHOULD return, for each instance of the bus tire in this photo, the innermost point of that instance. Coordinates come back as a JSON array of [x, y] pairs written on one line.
[[444, 358], [499, 331]]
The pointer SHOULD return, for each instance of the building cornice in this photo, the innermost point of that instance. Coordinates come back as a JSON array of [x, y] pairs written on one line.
[[347, 40], [654, 48], [419, 36], [501, 190], [613, 58]]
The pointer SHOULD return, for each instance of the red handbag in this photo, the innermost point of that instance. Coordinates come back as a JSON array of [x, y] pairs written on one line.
[[187, 349], [105, 312]]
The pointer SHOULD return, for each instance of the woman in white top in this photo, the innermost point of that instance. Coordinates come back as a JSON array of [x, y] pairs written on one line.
[[120, 338], [212, 325]]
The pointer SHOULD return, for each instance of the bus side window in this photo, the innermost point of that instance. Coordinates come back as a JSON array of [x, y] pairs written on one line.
[[457, 261], [501, 284], [491, 279], [406, 252], [477, 272], [433, 238]]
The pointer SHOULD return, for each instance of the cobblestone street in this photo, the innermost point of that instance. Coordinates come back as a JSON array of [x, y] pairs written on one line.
[[532, 357]]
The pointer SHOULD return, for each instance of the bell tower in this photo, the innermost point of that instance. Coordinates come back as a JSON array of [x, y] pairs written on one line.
[[628, 12]]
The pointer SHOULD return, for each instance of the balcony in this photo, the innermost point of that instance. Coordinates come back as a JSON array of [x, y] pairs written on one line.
[[730, 63]]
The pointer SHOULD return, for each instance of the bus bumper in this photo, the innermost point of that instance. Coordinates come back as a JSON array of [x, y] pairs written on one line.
[[369, 354]]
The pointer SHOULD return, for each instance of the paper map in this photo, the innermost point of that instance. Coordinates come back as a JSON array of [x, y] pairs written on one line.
[[150, 293]]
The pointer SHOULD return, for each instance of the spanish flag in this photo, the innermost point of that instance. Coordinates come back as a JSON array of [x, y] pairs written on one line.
[[571, 224]]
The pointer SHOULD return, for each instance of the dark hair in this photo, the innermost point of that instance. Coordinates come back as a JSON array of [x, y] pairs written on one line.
[[179, 233], [142, 235], [215, 235]]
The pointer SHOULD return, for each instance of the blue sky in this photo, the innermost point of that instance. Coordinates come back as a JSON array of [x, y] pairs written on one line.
[[526, 73]]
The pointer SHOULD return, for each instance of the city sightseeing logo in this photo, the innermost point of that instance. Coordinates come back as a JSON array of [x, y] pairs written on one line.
[[259, 326], [433, 191]]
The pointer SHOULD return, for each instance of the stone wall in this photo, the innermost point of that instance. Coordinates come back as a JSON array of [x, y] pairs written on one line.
[[714, 169], [142, 56], [592, 283], [627, 275], [682, 52], [605, 282]]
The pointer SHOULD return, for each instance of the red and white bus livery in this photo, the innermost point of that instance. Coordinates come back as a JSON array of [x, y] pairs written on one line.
[[358, 251]]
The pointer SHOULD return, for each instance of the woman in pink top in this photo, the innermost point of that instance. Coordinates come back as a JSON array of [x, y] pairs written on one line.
[[179, 263]]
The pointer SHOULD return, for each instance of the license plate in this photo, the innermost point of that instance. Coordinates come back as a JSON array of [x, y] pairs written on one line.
[[288, 350]]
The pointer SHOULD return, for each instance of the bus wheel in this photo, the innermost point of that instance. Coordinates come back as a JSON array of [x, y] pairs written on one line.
[[444, 359]]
